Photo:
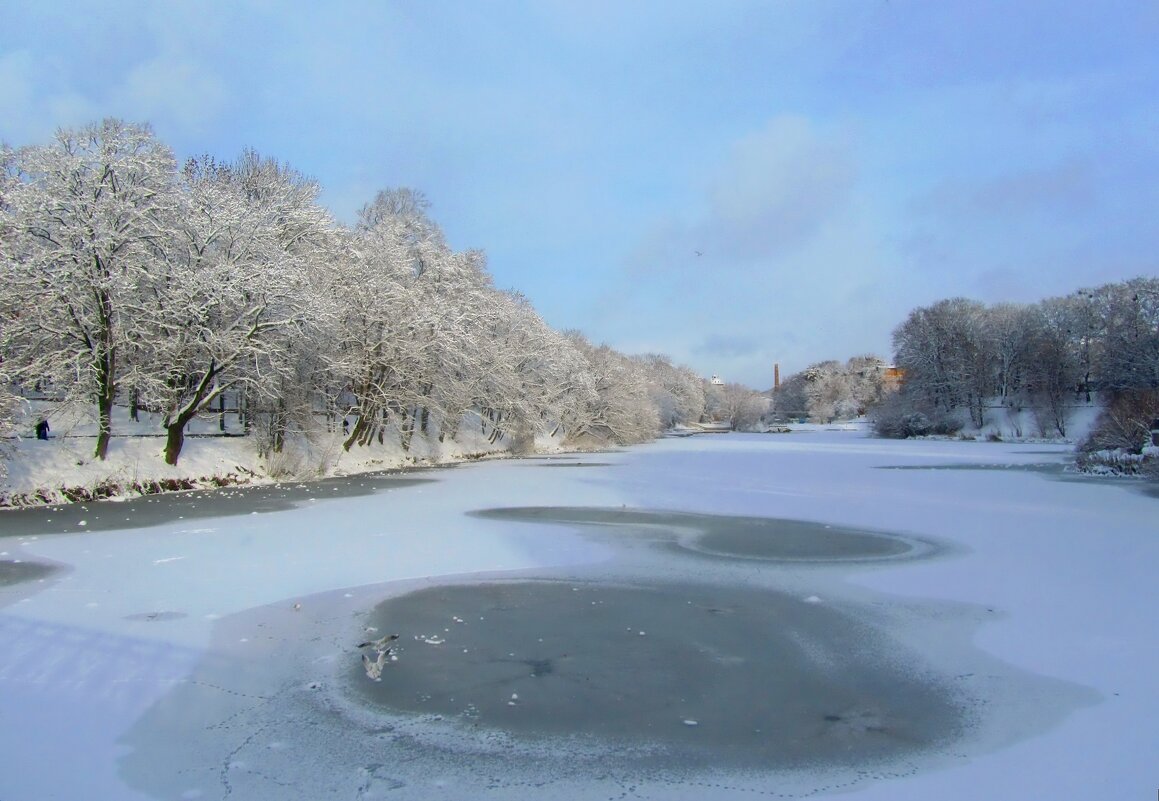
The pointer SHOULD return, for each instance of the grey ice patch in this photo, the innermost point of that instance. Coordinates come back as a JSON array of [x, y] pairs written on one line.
[[14, 572], [775, 683], [736, 537]]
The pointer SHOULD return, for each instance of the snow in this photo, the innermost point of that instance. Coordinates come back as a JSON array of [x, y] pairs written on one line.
[[137, 447], [1058, 570]]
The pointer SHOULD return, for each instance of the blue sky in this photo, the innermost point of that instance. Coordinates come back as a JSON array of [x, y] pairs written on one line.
[[732, 182]]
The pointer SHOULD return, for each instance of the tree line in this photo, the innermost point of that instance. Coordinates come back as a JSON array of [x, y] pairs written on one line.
[[830, 390], [962, 358], [959, 362], [126, 278]]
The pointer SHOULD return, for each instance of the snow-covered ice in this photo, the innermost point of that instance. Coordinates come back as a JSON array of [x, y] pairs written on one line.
[[154, 662]]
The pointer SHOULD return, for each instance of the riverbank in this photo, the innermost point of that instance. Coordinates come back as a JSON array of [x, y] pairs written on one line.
[[62, 469]]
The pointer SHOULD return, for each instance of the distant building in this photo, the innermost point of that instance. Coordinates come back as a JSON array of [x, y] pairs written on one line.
[[893, 376], [716, 380]]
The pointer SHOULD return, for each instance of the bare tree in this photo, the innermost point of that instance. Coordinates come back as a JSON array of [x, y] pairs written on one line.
[[1008, 330], [1053, 371], [1131, 346], [945, 356]]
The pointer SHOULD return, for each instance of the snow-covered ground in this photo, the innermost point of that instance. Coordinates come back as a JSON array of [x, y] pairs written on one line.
[[214, 450], [208, 658]]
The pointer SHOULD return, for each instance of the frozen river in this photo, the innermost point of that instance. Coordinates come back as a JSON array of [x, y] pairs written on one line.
[[794, 615]]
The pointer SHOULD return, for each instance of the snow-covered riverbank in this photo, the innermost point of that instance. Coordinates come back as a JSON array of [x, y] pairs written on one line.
[[62, 468], [183, 659]]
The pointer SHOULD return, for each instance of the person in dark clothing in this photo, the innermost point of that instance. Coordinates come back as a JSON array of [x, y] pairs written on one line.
[[42, 429]]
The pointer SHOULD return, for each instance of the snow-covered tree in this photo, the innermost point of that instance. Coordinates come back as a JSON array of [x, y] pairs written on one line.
[[1130, 358], [790, 400], [534, 379], [867, 378], [1052, 371], [89, 218], [622, 410], [677, 392], [735, 404], [1009, 330], [9, 403], [959, 354], [829, 390], [126, 279], [946, 357], [219, 313], [395, 320]]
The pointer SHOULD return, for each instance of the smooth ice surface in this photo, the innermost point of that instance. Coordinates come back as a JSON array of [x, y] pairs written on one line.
[[766, 678], [769, 538], [215, 657]]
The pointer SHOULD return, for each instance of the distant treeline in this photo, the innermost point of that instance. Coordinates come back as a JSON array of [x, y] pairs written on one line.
[[126, 278], [960, 363], [961, 357], [829, 390]]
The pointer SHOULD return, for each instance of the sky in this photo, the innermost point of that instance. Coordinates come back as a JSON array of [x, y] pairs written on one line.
[[735, 183]]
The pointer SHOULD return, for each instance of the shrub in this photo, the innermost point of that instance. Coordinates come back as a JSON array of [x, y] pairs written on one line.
[[900, 416], [1125, 422]]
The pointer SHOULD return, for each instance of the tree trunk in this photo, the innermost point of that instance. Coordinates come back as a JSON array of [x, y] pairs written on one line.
[[175, 438], [407, 430], [104, 429], [496, 431], [175, 426], [362, 432], [106, 393], [279, 421], [105, 356]]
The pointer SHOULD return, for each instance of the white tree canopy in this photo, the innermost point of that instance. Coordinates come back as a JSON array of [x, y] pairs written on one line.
[[88, 220]]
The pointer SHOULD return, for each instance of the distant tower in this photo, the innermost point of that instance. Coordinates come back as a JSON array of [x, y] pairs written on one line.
[[776, 376]]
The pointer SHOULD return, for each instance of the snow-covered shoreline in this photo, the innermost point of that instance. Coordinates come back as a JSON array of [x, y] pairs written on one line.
[[62, 469]]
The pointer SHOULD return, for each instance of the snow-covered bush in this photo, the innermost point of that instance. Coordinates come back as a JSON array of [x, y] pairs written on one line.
[[1120, 442], [1125, 422], [900, 416], [1118, 462]]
